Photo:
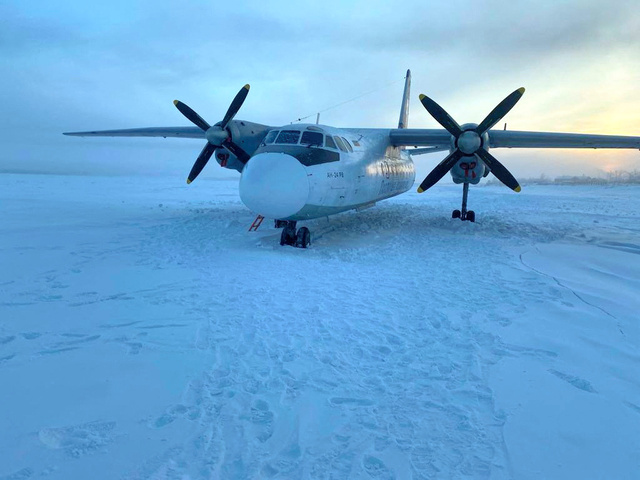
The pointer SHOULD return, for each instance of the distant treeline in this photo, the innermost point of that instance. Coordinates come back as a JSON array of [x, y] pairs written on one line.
[[617, 177]]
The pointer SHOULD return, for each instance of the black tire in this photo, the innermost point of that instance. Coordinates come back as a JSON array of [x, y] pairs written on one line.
[[303, 239], [288, 235], [471, 216], [455, 214]]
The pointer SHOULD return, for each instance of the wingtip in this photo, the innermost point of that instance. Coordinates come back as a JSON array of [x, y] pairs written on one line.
[[521, 90], [188, 181], [421, 96], [175, 102], [517, 189], [420, 190], [247, 87]]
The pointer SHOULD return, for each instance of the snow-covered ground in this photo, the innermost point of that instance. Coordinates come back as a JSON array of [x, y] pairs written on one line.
[[145, 334]]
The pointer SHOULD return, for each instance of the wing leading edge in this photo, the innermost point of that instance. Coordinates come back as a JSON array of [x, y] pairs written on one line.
[[176, 132], [514, 139]]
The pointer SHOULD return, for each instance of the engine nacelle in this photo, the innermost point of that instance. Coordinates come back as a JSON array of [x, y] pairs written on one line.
[[227, 160], [468, 170]]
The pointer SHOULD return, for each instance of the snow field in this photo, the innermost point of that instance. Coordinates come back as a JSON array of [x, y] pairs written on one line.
[[144, 333]]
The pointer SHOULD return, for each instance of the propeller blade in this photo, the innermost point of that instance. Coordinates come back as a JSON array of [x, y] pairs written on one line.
[[500, 111], [235, 105], [440, 171], [191, 115], [499, 170], [202, 160], [441, 116], [237, 151]]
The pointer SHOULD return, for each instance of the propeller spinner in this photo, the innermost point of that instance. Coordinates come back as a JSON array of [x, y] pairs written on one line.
[[217, 135], [469, 142]]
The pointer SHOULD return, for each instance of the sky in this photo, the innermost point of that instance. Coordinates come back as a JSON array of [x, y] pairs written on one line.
[[72, 66]]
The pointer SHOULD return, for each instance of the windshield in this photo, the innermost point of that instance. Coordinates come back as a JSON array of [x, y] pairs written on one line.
[[311, 138], [270, 138], [288, 136]]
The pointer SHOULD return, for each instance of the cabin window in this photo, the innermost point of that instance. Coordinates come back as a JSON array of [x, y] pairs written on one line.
[[271, 137], [348, 145], [288, 136], [340, 144], [311, 138], [329, 142]]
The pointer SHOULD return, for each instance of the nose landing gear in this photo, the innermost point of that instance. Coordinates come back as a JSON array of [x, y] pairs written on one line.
[[464, 214], [289, 236]]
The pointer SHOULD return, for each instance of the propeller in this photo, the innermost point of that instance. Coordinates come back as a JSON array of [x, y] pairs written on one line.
[[217, 135], [469, 142]]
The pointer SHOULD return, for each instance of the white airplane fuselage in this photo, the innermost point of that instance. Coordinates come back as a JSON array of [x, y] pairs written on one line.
[[298, 181]]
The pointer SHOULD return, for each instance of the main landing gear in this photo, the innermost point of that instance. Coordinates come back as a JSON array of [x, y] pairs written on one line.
[[464, 214], [289, 236]]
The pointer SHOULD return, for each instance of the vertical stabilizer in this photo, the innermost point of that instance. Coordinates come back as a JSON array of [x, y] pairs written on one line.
[[404, 111]]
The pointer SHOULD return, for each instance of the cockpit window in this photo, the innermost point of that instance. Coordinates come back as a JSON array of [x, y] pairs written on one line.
[[270, 138], [329, 142], [340, 144], [288, 136], [347, 144], [311, 138]]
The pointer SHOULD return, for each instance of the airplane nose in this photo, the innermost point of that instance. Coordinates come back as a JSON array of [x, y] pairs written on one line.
[[274, 185]]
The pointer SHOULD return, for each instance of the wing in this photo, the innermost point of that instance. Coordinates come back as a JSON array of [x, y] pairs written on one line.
[[515, 139], [440, 138], [418, 137], [422, 151], [180, 132]]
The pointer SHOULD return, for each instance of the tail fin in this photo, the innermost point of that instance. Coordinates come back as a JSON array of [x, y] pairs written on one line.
[[404, 111]]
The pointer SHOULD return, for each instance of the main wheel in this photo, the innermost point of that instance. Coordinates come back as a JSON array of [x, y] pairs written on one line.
[[288, 236], [455, 214], [303, 239], [471, 216]]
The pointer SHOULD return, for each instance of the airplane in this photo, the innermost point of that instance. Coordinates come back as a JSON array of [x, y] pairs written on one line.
[[304, 171]]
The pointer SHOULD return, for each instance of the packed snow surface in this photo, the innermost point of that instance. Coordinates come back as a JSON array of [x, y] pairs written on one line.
[[146, 334]]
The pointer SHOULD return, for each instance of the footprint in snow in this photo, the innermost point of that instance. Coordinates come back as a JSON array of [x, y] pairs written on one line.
[[5, 340], [78, 440], [30, 335], [5, 359], [350, 402], [134, 347], [174, 412], [79, 340], [632, 406], [262, 420], [574, 381], [55, 351], [19, 475], [376, 468]]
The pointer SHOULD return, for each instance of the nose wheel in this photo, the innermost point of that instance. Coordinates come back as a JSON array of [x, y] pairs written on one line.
[[290, 236], [463, 214]]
